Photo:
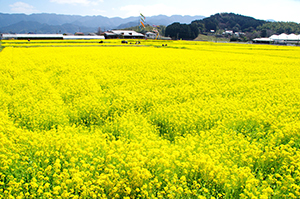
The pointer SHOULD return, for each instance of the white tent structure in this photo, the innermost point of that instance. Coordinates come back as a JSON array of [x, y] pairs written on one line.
[[286, 39], [274, 37], [279, 39], [294, 38]]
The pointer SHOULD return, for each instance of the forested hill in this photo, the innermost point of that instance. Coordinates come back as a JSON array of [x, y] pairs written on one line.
[[240, 23], [251, 27], [218, 22], [230, 21], [280, 27]]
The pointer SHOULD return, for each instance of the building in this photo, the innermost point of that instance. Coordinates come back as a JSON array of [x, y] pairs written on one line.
[[123, 34], [280, 39], [263, 40], [150, 35], [84, 37], [32, 36], [111, 35], [238, 34], [286, 39], [79, 33], [228, 32], [47, 36]]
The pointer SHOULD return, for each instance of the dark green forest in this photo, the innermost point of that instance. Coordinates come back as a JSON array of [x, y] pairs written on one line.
[[230, 21], [182, 31]]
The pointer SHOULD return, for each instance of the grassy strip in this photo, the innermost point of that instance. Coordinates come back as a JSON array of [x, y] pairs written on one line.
[[1, 47], [210, 38]]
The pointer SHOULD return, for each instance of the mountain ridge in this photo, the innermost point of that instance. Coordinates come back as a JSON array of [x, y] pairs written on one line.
[[53, 23]]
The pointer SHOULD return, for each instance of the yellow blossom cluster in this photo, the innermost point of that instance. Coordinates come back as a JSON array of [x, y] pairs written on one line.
[[187, 120]]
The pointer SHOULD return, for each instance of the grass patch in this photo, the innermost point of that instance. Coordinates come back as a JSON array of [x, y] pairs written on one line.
[[1, 47], [210, 38]]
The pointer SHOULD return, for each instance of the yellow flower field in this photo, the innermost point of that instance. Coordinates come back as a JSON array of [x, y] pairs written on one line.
[[187, 120]]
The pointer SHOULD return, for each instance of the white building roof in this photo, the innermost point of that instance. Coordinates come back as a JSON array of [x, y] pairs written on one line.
[[49, 36], [293, 37], [37, 36], [74, 37], [274, 37], [283, 36]]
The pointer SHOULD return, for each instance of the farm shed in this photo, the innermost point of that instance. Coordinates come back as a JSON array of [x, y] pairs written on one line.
[[126, 34], [110, 35], [150, 35], [263, 40]]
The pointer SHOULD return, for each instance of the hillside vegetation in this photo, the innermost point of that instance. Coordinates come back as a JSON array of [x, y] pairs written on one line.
[[211, 38], [270, 28], [228, 21], [1, 47]]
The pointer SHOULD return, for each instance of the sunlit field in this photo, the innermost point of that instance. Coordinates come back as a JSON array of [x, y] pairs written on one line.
[[159, 119]]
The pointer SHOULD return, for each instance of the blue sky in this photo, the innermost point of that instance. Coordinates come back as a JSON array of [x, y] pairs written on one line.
[[279, 10]]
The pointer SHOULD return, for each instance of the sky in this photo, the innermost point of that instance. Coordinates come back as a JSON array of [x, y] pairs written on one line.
[[279, 10]]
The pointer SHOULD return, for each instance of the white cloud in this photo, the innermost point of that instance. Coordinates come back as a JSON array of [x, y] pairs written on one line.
[[149, 10], [75, 2], [21, 7]]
